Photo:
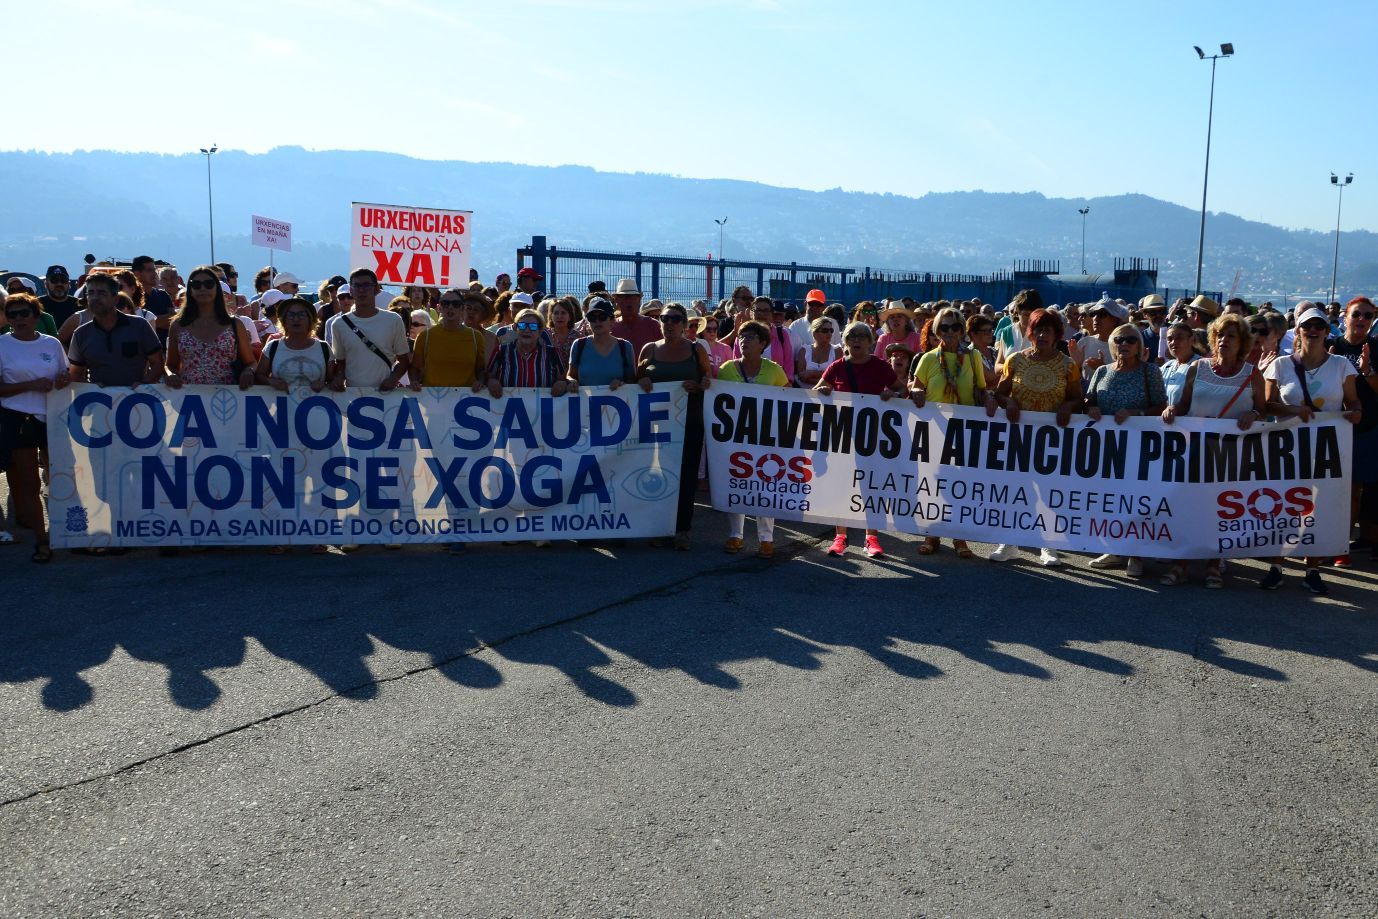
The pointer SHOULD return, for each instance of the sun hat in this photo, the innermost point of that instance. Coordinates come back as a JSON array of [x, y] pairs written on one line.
[[625, 287]]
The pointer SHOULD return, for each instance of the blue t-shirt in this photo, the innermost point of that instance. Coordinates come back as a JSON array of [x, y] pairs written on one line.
[[598, 369]]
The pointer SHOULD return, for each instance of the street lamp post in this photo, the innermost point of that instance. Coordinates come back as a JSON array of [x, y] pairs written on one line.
[[1083, 211], [720, 226], [1226, 50], [210, 201], [1335, 271]]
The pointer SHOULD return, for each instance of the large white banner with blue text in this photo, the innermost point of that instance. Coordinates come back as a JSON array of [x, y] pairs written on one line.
[[1199, 488], [206, 465]]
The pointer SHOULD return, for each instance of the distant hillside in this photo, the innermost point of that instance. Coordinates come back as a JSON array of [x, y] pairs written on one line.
[[56, 207]]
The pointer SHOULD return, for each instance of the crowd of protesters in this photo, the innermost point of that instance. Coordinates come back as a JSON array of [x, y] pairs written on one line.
[[1109, 360]]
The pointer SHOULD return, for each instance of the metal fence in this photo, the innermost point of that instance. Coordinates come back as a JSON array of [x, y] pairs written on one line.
[[682, 278]]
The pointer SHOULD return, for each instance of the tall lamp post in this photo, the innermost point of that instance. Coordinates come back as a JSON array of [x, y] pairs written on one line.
[[1334, 272], [1226, 50], [720, 226], [1083, 211], [210, 202]]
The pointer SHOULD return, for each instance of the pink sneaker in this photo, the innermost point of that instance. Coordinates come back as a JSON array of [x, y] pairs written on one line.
[[839, 546], [873, 548]]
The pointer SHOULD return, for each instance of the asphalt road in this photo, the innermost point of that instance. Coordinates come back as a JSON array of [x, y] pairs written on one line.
[[630, 731]]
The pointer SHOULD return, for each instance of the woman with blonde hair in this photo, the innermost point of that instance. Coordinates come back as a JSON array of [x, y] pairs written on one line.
[[810, 362], [1226, 385], [950, 374]]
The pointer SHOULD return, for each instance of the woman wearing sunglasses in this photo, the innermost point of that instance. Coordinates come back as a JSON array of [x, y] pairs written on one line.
[[706, 334], [859, 371], [675, 359], [810, 362], [526, 361], [1308, 381], [206, 344], [31, 365], [1128, 386], [1227, 385], [950, 374]]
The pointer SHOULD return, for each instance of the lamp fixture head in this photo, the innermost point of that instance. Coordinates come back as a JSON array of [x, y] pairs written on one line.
[[1199, 53], [1227, 49]]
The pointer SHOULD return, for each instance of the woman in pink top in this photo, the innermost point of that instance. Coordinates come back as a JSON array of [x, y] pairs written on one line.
[[205, 341], [899, 327], [706, 334]]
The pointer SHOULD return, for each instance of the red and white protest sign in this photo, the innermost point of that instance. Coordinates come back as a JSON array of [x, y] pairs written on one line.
[[411, 245], [272, 234]]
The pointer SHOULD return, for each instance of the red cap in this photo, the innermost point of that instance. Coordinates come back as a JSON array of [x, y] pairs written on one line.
[[816, 296], [530, 273]]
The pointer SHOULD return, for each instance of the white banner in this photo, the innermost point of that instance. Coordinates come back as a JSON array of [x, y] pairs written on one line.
[[411, 245], [208, 465], [1199, 488], [272, 234]]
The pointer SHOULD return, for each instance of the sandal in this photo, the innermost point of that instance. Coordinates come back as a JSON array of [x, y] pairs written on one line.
[[930, 545], [42, 553], [1174, 576], [962, 549], [1213, 579]]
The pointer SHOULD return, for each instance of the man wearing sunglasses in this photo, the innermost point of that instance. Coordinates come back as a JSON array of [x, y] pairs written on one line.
[[58, 302], [114, 348]]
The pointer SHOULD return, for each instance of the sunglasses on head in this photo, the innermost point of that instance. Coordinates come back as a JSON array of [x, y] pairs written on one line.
[[203, 285], [528, 326], [22, 312]]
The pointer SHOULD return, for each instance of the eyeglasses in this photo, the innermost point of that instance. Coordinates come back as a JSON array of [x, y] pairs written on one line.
[[1126, 341], [445, 303], [203, 285], [948, 327], [597, 317], [232, 274], [1314, 325], [857, 338], [295, 314], [1258, 330], [671, 319], [21, 313], [710, 328], [527, 326], [1367, 317]]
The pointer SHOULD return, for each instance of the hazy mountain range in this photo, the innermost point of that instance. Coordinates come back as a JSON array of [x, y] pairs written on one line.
[[57, 207]]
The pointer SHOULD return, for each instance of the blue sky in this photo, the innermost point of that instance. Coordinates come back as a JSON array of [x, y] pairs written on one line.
[[1069, 99]]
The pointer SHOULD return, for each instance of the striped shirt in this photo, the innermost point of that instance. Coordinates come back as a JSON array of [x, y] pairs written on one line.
[[542, 367]]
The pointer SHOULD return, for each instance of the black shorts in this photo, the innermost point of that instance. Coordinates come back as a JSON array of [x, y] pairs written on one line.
[[21, 431]]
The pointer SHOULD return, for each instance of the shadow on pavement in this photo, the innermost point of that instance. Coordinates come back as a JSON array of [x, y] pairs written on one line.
[[329, 615]]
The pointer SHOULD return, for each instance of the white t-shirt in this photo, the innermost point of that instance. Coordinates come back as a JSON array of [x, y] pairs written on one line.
[[803, 336], [1325, 383], [1090, 346], [253, 330], [388, 333], [22, 361], [298, 367]]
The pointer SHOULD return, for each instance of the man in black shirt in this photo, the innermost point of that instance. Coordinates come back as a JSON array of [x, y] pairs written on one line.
[[156, 300], [56, 302]]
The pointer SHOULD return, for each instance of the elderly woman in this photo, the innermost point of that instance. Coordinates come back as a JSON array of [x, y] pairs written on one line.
[[1093, 350], [675, 359], [451, 353], [205, 343], [526, 361], [899, 326], [601, 359], [860, 372], [417, 322], [1130, 385], [950, 374], [810, 362], [1309, 381], [752, 367], [31, 366], [1225, 386], [1041, 379]]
